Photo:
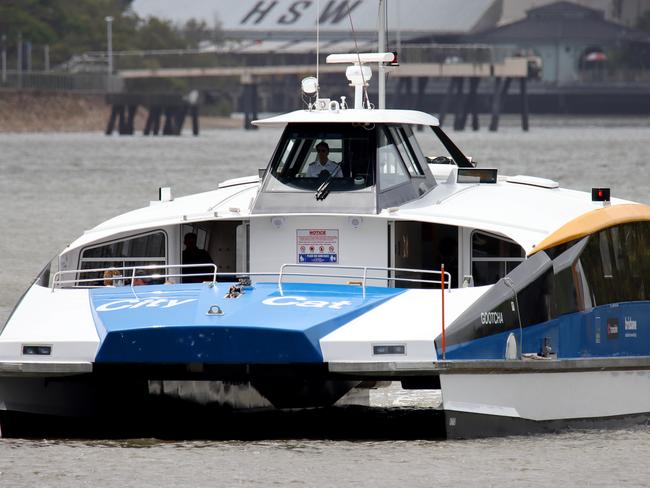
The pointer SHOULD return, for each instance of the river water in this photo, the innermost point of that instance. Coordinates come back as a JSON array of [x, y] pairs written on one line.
[[54, 186]]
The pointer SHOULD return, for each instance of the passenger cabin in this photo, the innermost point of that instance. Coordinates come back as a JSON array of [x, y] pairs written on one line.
[[322, 200]]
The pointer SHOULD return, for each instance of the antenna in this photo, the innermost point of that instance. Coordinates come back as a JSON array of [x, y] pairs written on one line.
[[381, 47], [358, 74], [361, 73], [317, 44]]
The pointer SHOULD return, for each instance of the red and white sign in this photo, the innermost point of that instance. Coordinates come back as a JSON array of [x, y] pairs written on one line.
[[317, 245]]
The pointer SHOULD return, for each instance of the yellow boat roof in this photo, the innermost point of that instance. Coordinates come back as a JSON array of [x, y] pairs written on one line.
[[593, 221]]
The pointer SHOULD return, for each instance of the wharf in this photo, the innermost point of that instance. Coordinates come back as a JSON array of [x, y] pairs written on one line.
[[502, 74]]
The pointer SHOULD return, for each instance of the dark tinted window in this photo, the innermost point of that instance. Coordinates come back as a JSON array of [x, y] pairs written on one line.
[[149, 246], [493, 258], [143, 250], [616, 264], [349, 158]]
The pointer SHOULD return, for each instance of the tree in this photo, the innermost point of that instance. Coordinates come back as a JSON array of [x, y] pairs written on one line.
[[72, 27]]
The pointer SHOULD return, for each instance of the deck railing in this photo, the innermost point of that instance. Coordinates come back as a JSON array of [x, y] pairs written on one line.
[[363, 275], [127, 275]]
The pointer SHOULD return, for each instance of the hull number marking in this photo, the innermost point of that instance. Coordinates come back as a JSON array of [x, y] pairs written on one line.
[[288, 301], [147, 302]]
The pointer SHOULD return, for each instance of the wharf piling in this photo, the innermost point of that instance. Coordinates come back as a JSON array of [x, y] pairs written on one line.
[[164, 111]]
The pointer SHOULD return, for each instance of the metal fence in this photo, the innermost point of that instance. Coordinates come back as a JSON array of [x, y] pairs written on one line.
[[613, 76], [453, 53], [59, 82]]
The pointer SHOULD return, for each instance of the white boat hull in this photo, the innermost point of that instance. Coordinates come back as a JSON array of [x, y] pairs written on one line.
[[489, 404]]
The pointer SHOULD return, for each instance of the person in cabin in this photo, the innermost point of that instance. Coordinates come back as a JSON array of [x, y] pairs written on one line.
[[140, 278], [112, 277], [323, 167], [193, 255]]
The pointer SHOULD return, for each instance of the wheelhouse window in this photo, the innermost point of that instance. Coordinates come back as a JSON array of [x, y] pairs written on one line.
[[142, 250], [340, 153], [392, 171], [406, 147], [493, 257]]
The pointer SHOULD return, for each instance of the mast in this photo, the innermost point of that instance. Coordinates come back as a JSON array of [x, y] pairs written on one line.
[[381, 47]]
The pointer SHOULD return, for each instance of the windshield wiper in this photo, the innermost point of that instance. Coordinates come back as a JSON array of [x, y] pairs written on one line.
[[323, 189]]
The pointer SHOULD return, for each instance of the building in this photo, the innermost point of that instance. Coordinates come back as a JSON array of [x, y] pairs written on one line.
[[625, 12], [260, 20], [574, 42]]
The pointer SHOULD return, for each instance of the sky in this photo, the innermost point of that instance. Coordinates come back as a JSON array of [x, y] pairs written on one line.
[[175, 9]]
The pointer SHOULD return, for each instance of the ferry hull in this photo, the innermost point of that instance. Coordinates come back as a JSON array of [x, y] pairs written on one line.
[[481, 405], [101, 394]]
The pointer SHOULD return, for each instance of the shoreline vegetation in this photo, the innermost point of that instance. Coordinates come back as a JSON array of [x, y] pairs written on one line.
[[65, 112]]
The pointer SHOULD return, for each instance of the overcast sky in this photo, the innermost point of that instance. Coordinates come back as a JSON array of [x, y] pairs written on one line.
[[177, 10]]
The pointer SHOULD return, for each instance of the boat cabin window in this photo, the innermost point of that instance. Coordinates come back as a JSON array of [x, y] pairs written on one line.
[[405, 142], [308, 156], [392, 171], [224, 243], [146, 249], [616, 264], [493, 257], [368, 166]]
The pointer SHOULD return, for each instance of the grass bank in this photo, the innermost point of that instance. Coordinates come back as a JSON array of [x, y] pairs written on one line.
[[63, 112], [52, 112]]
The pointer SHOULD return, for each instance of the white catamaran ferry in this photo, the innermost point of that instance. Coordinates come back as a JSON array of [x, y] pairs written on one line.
[[352, 258]]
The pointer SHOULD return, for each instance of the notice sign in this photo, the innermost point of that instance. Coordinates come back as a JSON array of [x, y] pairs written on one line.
[[317, 245]]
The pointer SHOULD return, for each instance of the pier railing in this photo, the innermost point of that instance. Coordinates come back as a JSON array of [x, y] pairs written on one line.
[[60, 81]]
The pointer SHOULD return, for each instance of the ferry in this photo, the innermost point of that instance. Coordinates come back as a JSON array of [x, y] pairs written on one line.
[[352, 259]]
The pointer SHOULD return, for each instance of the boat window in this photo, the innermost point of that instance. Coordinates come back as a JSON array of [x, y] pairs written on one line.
[[146, 249], [406, 151], [389, 163], [616, 264], [415, 148], [493, 257], [202, 235], [308, 155], [432, 147]]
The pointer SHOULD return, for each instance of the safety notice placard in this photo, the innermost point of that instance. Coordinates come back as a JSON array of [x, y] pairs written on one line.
[[317, 245]]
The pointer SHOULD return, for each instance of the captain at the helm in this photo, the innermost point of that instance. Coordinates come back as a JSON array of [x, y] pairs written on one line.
[[309, 155], [323, 166]]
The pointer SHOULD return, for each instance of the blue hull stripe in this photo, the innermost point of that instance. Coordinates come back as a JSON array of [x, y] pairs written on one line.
[[616, 330], [171, 324]]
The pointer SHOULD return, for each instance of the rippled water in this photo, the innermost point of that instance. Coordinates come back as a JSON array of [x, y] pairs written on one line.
[[53, 186], [594, 459]]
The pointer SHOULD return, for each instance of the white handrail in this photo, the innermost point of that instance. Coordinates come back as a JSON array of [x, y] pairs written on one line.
[[56, 279], [364, 276]]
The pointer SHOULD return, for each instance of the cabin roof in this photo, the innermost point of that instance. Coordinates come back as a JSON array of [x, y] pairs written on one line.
[[526, 214], [358, 116], [594, 221], [538, 212]]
